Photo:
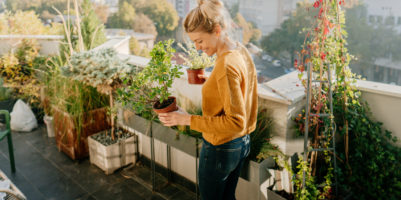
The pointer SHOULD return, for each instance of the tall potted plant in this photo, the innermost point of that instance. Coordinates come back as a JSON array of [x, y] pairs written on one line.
[[149, 89], [103, 70], [196, 63]]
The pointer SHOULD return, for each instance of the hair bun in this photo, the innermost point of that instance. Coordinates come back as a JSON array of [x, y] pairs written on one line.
[[215, 2], [200, 2]]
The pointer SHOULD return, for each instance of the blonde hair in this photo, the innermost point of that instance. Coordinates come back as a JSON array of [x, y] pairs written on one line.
[[206, 16]]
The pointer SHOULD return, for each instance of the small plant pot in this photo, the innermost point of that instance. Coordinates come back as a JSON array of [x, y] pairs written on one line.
[[49, 125], [170, 106], [193, 76]]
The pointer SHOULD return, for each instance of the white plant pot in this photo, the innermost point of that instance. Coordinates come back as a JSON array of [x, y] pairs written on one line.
[[49, 125], [112, 157]]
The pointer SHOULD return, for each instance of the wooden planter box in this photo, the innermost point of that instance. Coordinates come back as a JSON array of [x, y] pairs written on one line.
[[162, 133], [66, 134], [112, 157]]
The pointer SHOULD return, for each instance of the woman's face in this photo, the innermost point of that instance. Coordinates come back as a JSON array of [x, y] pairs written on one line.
[[207, 42]]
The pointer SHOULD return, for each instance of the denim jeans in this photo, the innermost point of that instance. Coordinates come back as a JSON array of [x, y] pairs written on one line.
[[220, 167]]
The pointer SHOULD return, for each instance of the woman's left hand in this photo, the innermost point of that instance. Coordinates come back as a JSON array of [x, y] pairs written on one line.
[[179, 117]]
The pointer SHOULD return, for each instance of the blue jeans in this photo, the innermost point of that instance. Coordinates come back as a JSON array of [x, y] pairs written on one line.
[[220, 167]]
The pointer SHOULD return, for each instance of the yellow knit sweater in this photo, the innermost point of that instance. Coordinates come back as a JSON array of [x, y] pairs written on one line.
[[229, 98]]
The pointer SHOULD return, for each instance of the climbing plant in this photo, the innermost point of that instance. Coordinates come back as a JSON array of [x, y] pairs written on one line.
[[364, 148]]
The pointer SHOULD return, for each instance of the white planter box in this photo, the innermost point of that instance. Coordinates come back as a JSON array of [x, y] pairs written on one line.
[[112, 157]]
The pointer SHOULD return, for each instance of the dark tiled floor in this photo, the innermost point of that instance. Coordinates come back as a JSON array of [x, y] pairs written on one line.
[[45, 173]]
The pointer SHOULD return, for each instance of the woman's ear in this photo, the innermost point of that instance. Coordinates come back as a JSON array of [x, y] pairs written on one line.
[[217, 30]]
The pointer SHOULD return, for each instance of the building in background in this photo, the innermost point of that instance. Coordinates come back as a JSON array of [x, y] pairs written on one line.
[[384, 12], [267, 15], [183, 6]]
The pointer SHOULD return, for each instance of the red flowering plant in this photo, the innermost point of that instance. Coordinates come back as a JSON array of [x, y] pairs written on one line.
[[363, 147]]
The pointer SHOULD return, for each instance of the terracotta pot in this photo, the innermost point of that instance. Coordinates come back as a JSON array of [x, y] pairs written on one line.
[[193, 77], [170, 108]]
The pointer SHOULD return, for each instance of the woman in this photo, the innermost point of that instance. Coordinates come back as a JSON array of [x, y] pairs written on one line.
[[229, 102]]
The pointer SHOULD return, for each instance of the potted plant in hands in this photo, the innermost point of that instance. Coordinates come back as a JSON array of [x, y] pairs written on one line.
[[196, 63], [149, 89], [103, 70]]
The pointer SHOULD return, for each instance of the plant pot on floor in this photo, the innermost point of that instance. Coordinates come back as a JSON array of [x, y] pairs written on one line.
[[111, 155], [193, 76], [49, 125], [66, 130], [169, 105]]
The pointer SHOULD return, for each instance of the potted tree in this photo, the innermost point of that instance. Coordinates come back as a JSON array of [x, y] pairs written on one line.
[[103, 70], [196, 63], [149, 89]]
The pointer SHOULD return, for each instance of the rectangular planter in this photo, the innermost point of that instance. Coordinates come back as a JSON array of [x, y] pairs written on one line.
[[112, 157], [255, 172], [66, 134], [162, 133], [273, 196]]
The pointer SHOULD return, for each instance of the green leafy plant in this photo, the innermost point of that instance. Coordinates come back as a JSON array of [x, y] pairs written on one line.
[[194, 59], [261, 147], [366, 149], [5, 93], [152, 84], [100, 69]]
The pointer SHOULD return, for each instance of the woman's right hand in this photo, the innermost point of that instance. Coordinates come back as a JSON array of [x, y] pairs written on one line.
[[203, 76]]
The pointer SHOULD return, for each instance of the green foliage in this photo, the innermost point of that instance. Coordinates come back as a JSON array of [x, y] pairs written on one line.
[[310, 191], [373, 171], [261, 147], [18, 70], [194, 60], [39, 6], [366, 149], [249, 31], [153, 82], [138, 49], [23, 22], [98, 68], [92, 28], [124, 18], [289, 38], [370, 41], [5, 93], [161, 12]]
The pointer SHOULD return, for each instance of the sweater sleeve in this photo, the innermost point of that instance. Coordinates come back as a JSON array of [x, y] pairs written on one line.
[[232, 119]]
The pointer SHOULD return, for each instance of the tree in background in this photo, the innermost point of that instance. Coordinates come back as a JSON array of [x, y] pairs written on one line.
[[366, 42], [161, 12], [143, 24], [25, 23], [124, 18], [92, 28], [137, 49], [289, 38], [102, 11], [249, 30], [39, 6]]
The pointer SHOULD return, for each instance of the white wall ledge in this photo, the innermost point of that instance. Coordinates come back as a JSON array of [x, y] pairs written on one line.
[[379, 88]]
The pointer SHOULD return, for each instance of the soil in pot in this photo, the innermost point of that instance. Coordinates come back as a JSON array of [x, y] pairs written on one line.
[[193, 76], [169, 105], [105, 139]]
